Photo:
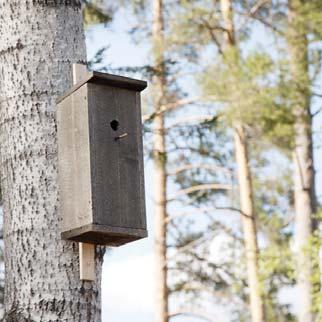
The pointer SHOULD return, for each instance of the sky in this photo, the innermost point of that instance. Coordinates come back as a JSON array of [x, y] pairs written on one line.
[[128, 283]]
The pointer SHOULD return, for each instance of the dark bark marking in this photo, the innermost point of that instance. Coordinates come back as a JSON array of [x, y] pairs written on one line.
[[57, 3], [10, 49], [15, 315]]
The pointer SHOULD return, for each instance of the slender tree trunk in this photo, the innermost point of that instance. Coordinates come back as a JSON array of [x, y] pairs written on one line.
[[160, 176], [249, 224], [304, 190], [39, 41], [245, 187]]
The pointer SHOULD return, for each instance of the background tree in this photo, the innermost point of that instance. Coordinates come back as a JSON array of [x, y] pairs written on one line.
[[245, 86], [304, 189], [245, 181], [160, 159], [231, 91]]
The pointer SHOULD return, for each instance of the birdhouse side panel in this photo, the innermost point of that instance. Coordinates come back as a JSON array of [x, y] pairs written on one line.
[[141, 162], [131, 162], [74, 160]]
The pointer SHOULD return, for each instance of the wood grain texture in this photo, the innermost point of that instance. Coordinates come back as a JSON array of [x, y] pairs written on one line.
[[103, 165], [79, 73], [103, 234], [87, 262], [116, 172], [74, 160], [104, 155], [86, 251], [105, 79]]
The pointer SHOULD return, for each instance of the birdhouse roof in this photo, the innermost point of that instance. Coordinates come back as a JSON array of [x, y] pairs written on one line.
[[107, 79]]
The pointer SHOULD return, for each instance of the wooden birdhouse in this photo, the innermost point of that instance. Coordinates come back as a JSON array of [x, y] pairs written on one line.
[[100, 160]]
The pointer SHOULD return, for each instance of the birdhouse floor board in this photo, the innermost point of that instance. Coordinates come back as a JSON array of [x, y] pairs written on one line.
[[104, 235]]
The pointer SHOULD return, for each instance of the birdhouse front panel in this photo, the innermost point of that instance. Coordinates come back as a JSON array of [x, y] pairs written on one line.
[[100, 143], [115, 140]]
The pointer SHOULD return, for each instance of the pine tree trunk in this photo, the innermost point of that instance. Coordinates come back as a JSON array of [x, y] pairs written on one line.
[[249, 224], [245, 189], [160, 176], [39, 41], [304, 191]]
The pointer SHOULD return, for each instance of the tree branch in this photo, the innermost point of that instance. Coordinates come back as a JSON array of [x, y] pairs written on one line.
[[192, 119], [213, 35], [252, 14], [199, 315], [170, 106], [192, 244], [186, 167], [200, 187]]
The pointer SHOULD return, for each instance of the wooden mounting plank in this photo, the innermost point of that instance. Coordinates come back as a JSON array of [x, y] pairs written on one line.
[[86, 251], [87, 262]]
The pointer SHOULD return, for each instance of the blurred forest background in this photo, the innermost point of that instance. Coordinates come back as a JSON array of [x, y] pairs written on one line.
[[232, 125]]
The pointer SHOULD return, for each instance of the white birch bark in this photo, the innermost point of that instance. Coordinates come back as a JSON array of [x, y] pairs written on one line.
[[39, 41]]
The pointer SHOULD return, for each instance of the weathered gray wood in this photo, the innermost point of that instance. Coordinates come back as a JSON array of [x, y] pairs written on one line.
[[87, 262], [86, 251], [141, 160], [74, 160], [107, 79], [104, 155], [104, 235], [109, 207], [79, 73], [116, 162]]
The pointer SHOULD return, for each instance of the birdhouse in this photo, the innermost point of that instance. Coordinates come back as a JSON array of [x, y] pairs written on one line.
[[100, 160]]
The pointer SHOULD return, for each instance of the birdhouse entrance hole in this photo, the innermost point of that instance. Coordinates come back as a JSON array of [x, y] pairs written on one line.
[[115, 125]]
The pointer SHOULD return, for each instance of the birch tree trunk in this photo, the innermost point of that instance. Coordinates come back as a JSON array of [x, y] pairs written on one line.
[[304, 190], [160, 175], [245, 187], [39, 41]]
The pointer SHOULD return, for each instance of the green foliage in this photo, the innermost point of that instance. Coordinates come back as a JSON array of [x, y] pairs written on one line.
[[314, 250], [276, 270], [194, 27], [97, 59], [250, 94], [309, 18], [95, 13], [138, 6], [273, 195]]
